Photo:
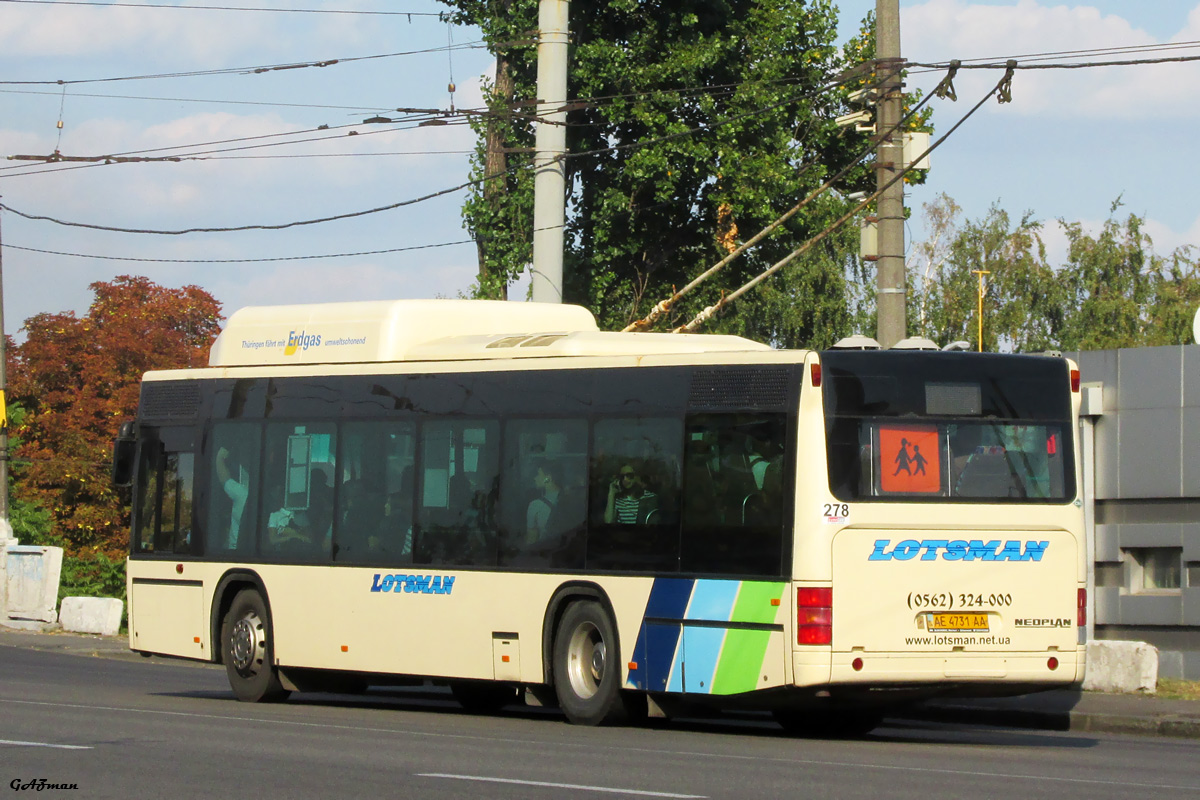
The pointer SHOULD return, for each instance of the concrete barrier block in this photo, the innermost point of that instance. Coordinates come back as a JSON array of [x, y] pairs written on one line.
[[100, 615], [1121, 667], [32, 576]]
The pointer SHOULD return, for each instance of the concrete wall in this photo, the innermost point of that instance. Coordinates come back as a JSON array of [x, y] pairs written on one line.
[[1147, 499], [31, 583]]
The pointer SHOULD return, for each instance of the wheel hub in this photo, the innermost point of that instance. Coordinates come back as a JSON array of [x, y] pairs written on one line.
[[246, 644], [587, 655]]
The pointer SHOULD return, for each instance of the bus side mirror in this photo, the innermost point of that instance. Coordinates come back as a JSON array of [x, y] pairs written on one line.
[[124, 451]]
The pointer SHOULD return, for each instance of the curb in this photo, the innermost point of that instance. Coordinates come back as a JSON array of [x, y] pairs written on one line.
[[1173, 725]]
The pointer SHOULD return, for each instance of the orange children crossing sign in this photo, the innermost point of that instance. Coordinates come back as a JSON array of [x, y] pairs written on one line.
[[910, 460]]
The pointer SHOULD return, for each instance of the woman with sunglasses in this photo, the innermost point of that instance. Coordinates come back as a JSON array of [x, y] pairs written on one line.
[[627, 496]]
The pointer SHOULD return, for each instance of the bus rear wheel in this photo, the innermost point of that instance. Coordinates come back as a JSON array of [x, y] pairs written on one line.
[[247, 650], [587, 666]]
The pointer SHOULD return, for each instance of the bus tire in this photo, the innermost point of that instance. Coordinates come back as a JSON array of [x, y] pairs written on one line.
[[483, 697], [844, 723], [248, 652], [587, 666]]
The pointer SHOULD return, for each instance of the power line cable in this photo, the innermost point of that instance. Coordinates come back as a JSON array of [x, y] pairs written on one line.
[[936, 66], [140, 155], [246, 70], [360, 109], [255, 227], [1165, 46], [631, 145], [237, 260]]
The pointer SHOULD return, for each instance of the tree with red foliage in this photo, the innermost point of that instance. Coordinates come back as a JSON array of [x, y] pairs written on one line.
[[79, 379]]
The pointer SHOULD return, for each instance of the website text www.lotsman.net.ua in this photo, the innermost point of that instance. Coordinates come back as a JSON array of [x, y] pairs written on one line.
[[957, 640]]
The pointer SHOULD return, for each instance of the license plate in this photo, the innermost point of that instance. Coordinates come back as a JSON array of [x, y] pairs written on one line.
[[958, 622]]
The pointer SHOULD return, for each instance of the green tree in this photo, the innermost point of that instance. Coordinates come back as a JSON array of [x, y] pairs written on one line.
[[699, 122], [30, 521], [1113, 291], [1176, 298], [1023, 296], [1111, 280]]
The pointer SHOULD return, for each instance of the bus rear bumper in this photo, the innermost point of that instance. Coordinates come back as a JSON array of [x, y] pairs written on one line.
[[1044, 668]]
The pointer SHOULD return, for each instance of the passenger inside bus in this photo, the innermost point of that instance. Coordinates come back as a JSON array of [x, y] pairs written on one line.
[[630, 501], [540, 509], [237, 489], [304, 529]]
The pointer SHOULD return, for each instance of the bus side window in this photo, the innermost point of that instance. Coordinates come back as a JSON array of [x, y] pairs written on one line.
[[376, 493], [734, 491], [636, 472], [296, 520], [164, 508], [455, 513], [543, 492], [233, 458]]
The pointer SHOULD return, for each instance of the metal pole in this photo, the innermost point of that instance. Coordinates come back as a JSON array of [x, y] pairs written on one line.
[[6, 531], [890, 301], [549, 183], [979, 315]]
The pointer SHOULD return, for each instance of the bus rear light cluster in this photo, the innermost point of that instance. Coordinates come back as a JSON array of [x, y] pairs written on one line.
[[1075, 381], [1081, 608], [814, 616]]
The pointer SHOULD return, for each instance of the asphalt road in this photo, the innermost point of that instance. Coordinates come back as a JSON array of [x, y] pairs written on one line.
[[155, 728]]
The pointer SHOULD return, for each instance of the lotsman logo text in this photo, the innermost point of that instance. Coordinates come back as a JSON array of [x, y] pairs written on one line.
[[957, 550], [420, 584], [300, 341]]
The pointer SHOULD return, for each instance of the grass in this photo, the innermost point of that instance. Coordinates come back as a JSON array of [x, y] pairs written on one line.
[[1174, 689]]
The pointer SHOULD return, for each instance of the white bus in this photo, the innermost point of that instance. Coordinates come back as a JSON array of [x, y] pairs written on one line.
[[500, 497]]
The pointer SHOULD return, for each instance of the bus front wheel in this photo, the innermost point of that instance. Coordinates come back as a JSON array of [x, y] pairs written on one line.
[[247, 650], [587, 671]]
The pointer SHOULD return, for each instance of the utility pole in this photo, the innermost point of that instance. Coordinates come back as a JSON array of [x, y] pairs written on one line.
[[6, 531], [890, 279], [549, 182]]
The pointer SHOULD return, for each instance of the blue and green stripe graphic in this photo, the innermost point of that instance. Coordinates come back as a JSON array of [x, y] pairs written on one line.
[[705, 636]]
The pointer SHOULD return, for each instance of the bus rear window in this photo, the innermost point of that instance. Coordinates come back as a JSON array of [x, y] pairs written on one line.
[[939, 427]]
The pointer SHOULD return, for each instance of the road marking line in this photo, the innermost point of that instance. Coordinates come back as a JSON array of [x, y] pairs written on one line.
[[581, 787], [592, 747], [46, 744]]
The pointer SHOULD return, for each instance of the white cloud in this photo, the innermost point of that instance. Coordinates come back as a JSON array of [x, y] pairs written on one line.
[[1167, 240], [66, 31], [940, 30]]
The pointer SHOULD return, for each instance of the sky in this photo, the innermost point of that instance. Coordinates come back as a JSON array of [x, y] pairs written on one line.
[[1067, 147]]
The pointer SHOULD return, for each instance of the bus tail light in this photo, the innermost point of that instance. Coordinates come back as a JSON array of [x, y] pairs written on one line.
[[1075, 381], [814, 616], [1081, 608], [814, 372]]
